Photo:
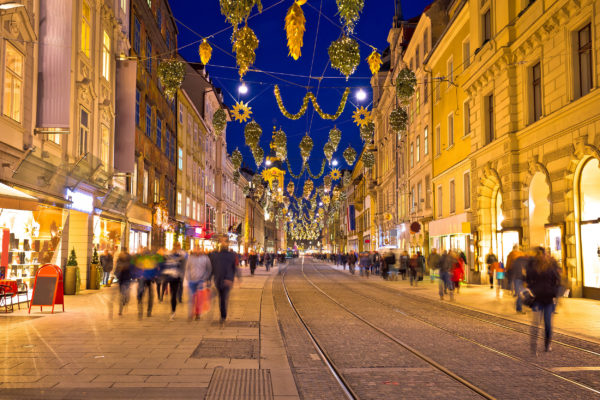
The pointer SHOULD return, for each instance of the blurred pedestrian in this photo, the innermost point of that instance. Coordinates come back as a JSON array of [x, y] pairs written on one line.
[[543, 279], [171, 272], [517, 270], [445, 284], [413, 270], [224, 271], [123, 272], [433, 262], [458, 272], [490, 259], [252, 260], [106, 262], [404, 264], [512, 256], [351, 261], [146, 271], [499, 271], [197, 274], [420, 266], [364, 264]]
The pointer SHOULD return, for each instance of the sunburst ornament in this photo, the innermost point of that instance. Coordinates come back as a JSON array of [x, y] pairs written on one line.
[[335, 174], [241, 112], [361, 116]]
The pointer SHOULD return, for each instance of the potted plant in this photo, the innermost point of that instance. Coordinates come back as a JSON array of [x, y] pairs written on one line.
[[72, 277], [96, 271]]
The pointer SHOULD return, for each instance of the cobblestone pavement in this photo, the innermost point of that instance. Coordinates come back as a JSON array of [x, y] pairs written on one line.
[[89, 352], [494, 358]]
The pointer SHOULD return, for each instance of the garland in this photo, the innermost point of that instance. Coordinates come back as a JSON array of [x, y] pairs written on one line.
[[295, 28], [320, 174], [245, 44], [219, 121], [344, 55], [171, 74], [310, 96], [292, 174]]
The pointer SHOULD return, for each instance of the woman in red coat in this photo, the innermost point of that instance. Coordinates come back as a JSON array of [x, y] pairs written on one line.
[[458, 272]]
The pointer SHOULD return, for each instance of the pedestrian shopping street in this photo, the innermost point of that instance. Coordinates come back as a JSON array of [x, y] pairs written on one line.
[[383, 339]]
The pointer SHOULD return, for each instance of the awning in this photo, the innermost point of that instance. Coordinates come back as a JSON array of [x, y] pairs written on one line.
[[15, 199], [456, 224]]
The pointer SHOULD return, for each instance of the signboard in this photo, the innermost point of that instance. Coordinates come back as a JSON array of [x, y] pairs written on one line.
[[48, 288]]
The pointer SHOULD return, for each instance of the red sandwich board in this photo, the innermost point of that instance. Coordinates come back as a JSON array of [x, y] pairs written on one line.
[[48, 288]]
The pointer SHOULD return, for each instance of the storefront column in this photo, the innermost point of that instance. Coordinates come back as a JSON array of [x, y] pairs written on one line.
[[79, 231]]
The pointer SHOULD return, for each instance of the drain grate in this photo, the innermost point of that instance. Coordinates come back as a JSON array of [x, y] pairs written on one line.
[[238, 324], [240, 384], [227, 348]]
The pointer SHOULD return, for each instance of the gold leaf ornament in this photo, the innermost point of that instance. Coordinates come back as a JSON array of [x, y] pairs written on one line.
[[295, 26], [361, 116], [241, 112], [205, 51], [374, 61]]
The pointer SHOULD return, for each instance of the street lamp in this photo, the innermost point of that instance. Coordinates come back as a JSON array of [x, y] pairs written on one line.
[[243, 89], [268, 162], [361, 95], [334, 163]]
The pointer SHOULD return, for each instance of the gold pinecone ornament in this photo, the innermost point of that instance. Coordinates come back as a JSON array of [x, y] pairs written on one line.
[[236, 159], [237, 12], [344, 55], [350, 155], [349, 11], [245, 44], [335, 136], [219, 121], [252, 133], [295, 26], [306, 145], [171, 74]]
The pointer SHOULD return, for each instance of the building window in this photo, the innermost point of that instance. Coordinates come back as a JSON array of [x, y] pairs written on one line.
[[149, 4], [179, 203], [418, 100], [450, 130], [584, 60], [418, 149], [419, 198], [425, 91], [187, 206], [466, 118], [450, 72], [440, 203], [412, 155], [156, 190], [536, 92], [124, 6], [106, 56], [145, 187], [136, 35], [427, 192], [181, 113], [13, 83], [148, 119], [133, 189], [86, 38], [159, 18], [425, 43], [426, 141], [486, 26], [168, 145], [149, 55], [452, 197], [417, 57], [159, 132], [172, 147], [489, 119], [105, 146], [467, 189], [438, 141], [137, 107], [180, 158], [84, 131], [168, 40], [466, 54], [413, 200]]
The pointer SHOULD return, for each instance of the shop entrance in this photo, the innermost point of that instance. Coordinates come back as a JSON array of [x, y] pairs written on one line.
[[589, 222]]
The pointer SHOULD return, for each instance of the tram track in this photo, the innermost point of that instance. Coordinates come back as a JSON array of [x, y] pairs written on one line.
[[336, 371], [502, 353]]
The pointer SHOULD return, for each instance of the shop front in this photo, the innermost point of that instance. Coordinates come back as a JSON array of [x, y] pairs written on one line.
[[454, 233], [108, 233]]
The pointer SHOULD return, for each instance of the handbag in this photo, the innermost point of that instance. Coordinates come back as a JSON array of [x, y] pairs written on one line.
[[527, 297]]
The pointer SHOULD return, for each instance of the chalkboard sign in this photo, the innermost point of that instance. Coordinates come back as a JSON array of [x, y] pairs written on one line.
[[45, 288], [48, 288]]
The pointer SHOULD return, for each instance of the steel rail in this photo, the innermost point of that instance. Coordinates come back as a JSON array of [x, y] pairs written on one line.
[[404, 345], [500, 352]]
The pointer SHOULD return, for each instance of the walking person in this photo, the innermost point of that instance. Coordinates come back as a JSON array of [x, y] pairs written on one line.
[[499, 271], [543, 279], [123, 272], [147, 269], [181, 257], [412, 269], [420, 266], [224, 264], [197, 275], [512, 256], [517, 275], [171, 272], [490, 259], [458, 273], [364, 264], [106, 262], [404, 264], [252, 260], [445, 284], [433, 262], [351, 261]]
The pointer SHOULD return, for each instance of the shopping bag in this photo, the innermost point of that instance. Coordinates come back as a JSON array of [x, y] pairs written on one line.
[[206, 301]]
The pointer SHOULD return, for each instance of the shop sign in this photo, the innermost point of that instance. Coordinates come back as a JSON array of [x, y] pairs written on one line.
[[415, 227], [233, 237], [80, 201], [194, 231]]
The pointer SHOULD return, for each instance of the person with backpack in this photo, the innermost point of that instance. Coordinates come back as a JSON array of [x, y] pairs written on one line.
[[490, 259]]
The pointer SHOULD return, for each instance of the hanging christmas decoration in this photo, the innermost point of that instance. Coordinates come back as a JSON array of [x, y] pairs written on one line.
[[335, 135], [237, 11], [295, 28], [361, 116], [295, 176], [259, 155], [321, 172], [336, 193], [290, 188], [350, 155], [367, 131], [328, 150], [306, 145], [310, 96], [327, 181], [405, 84], [245, 44], [398, 119], [374, 61], [171, 74], [241, 112], [236, 158], [257, 180], [349, 11], [286, 201], [205, 51], [347, 178], [280, 143], [219, 121], [252, 133], [344, 55], [335, 174], [325, 200], [368, 159], [236, 176]]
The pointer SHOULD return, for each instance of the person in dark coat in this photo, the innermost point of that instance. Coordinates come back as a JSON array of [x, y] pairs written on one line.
[[123, 272], [543, 279], [106, 262], [224, 263], [252, 260]]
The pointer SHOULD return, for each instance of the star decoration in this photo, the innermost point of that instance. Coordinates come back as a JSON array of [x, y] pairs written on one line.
[[361, 116], [336, 174], [241, 112]]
